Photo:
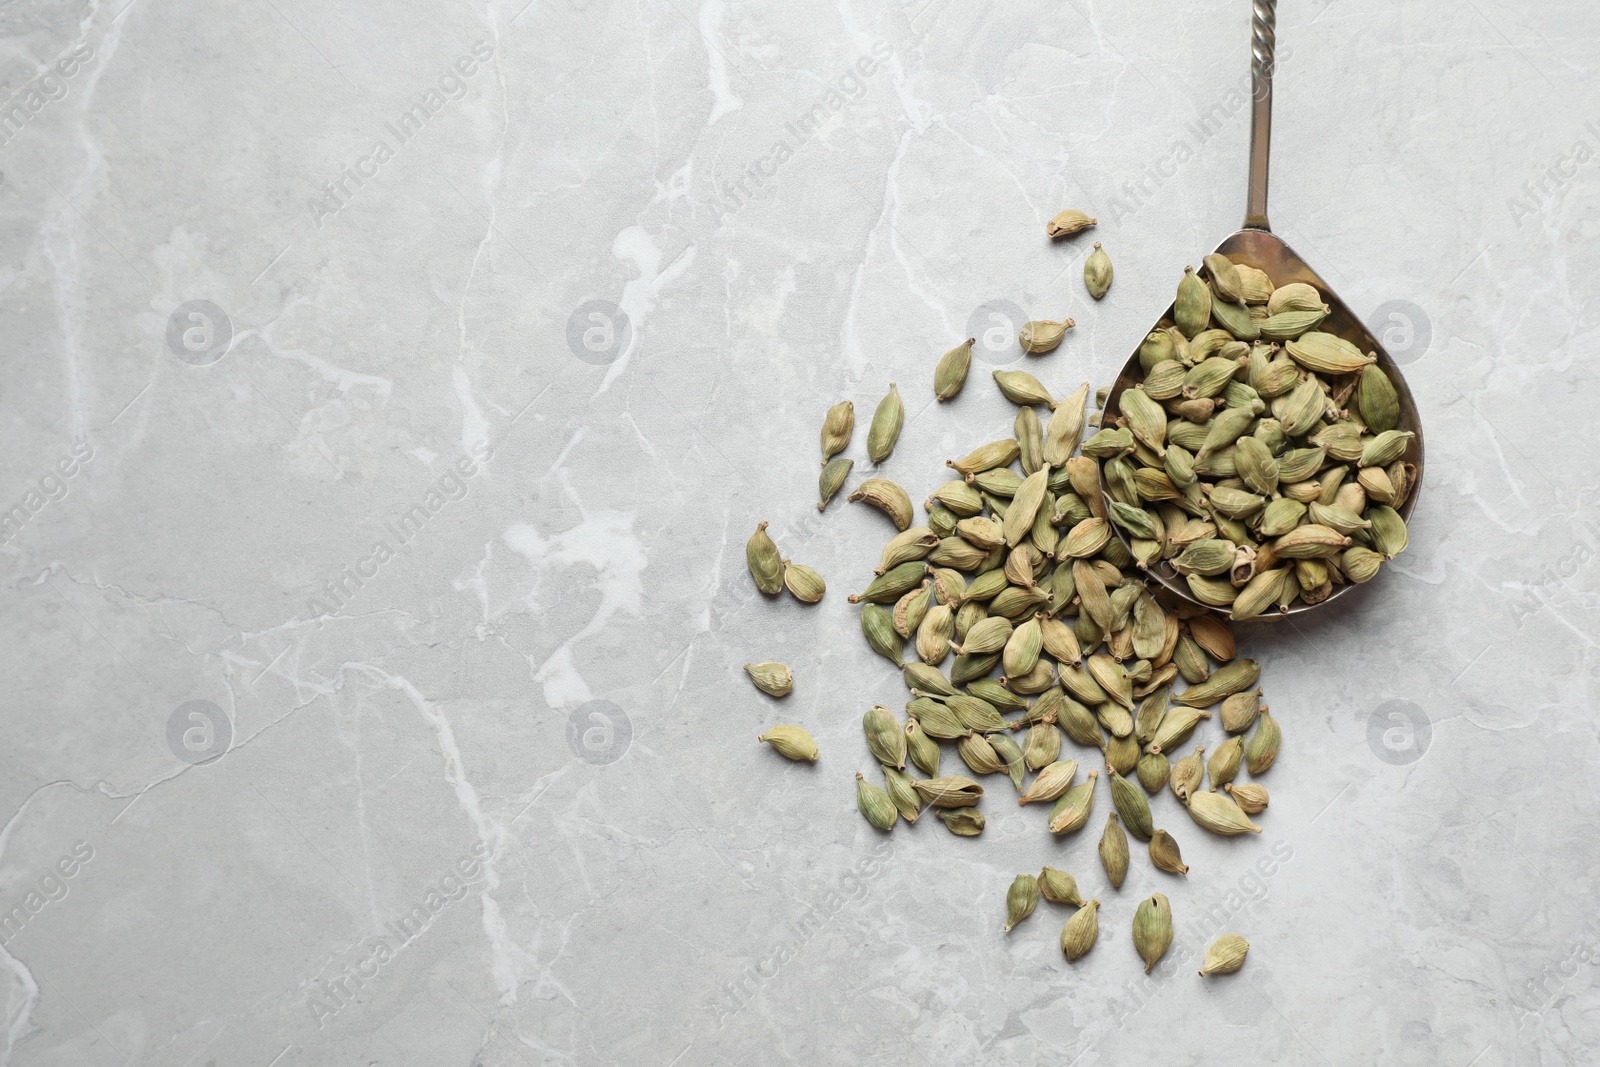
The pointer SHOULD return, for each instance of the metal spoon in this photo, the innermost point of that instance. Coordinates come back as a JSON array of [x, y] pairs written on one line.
[[1256, 245]]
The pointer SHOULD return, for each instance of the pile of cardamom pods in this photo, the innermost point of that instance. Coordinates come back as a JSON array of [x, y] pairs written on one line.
[[1259, 456], [1032, 623]]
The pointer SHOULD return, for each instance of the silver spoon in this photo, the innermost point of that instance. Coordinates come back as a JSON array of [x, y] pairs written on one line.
[[1256, 245]]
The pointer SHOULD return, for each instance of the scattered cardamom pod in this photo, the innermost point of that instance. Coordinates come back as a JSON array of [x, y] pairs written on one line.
[[837, 427], [1133, 806], [1043, 335], [1021, 899], [766, 565], [1225, 956], [1251, 798], [889, 498], [875, 804], [885, 429], [1165, 855], [1059, 887], [832, 479], [963, 822], [951, 373], [773, 679], [803, 583], [897, 784], [791, 742], [885, 738], [1097, 272], [1081, 932], [1262, 749], [1072, 810], [1152, 929], [1218, 813], [1068, 222]]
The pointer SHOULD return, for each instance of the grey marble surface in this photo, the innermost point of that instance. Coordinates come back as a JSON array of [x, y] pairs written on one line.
[[279, 275]]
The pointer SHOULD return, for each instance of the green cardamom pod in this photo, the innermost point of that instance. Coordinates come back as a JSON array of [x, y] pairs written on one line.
[[766, 565], [1224, 275], [979, 755], [875, 804], [1225, 956], [1010, 754], [1132, 805], [1081, 932], [1262, 749], [1239, 711], [1067, 223], [1059, 887], [886, 422], [1218, 813], [888, 497], [963, 822], [1020, 387], [1251, 798], [1114, 851], [892, 584], [1225, 681], [791, 742], [1191, 311], [923, 750], [803, 583], [1021, 899], [1389, 534], [1223, 766], [1042, 744], [773, 679], [1043, 335], [1189, 774], [832, 479], [951, 373], [1176, 728], [1377, 400], [1325, 353], [1165, 855], [1152, 929], [1072, 810], [897, 784], [837, 427], [954, 791], [877, 624], [1097, 272], [885, 739], [1153, 770], [1051, 782]]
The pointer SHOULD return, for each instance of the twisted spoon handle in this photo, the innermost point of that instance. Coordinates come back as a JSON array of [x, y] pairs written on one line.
[[1263, 44]]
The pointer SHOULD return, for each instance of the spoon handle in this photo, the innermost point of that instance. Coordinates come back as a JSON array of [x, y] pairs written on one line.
[[1263, 45]]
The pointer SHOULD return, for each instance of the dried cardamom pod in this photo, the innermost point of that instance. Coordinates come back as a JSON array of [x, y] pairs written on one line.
[[1165, 855], [933, 636], [875, 804], [1132, 805], [803, 583], [1067, 223], [1153, 770], [1025, 506], [791, 742], [889, 498], [1189, 774], [837, 427], [1081, 932], [1251, 798], [1224, 275], [1010, 754], [1021, 899], [897, 784], [1097, 272], [1059, 887], [885, 739], [1191, 310], [1223, 766], [923, 750], [929, 679], [1020, 387], [1377, 400], [1152, 929], [1225, 681], [1225, 956], [1042, 745], [1072, 810], [885, 429], [951, 373], [1218, 813], [773, 679], [963, 822], [1262, 750], [1239, 711], [1122, 754], [954, 791], [935, 719], [979, 755], [1176, 728], [766, 565], [1114, 851], [832, 479], [877, 624], [1326, 353], [1043, 335]]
